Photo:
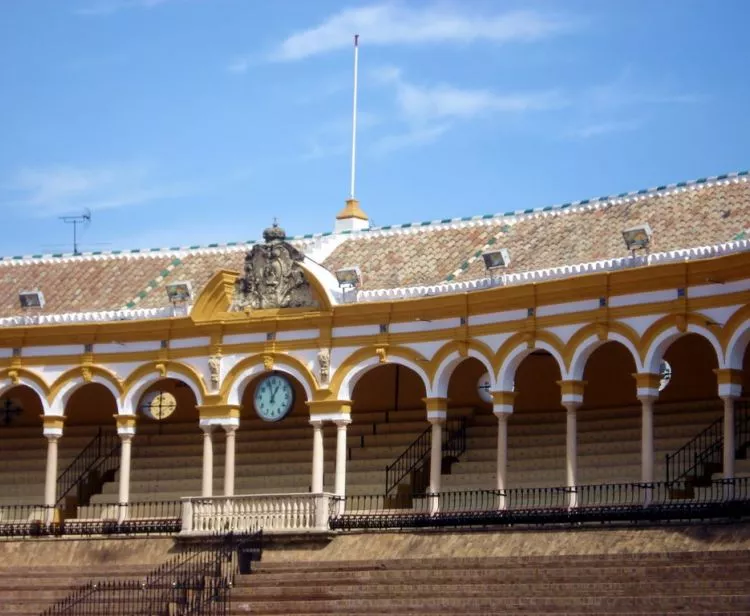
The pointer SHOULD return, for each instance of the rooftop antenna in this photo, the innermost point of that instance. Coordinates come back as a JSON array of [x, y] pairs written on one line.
[[81, 219], [354, 115]]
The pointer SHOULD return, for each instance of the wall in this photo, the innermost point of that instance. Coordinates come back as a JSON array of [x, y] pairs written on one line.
[[693, 361], [376, 390], [609, 378], [25, 398]]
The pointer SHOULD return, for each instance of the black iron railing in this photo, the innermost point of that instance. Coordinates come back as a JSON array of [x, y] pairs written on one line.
[[159, 517], [702, 455], [197, 581], [416, 455], [605, 503], [99, 457]]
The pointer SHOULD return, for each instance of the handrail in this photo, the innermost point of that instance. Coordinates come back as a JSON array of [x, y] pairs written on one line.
[[98, 451], [414, 457]]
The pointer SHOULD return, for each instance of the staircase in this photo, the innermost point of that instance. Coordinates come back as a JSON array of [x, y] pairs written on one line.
[[648, 583], [693, 465], [85, 476], [413, 463]]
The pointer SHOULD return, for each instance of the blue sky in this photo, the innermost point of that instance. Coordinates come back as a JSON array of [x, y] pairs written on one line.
[[194, 121]]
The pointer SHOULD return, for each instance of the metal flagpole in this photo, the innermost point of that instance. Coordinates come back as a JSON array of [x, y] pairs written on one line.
[[354, 115]]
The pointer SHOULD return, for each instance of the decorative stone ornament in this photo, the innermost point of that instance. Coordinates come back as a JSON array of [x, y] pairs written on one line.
[[273, 276], [324, 364], [214, 368]]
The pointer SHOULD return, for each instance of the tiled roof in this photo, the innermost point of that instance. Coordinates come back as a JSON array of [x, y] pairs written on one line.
[[701, 213]]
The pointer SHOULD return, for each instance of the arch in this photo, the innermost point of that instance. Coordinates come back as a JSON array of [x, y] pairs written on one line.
[[75, 378], [580, 348], [664, 332], [514, 351], [738, 338], [23, 376], [448, 358], [358, 363], [240, 375], [146, 375]]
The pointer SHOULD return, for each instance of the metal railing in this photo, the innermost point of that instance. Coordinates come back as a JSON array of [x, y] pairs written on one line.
[[702, 455], [158, 517], [604, 503], [415, 456], [197, 581], [100, 455]]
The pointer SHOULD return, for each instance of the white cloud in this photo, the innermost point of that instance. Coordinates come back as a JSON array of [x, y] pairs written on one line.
[[398, 24], [411, 138], [57, 190], [604, 128], [107, 7]]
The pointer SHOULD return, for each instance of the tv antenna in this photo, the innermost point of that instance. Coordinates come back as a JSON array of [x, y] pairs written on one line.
[[81, 219]]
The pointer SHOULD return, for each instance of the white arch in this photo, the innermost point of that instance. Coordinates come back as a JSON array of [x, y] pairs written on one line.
[[7, 385], [133, 395], [661, 343], [248, 374], [585, 349], [507, 373], [738, 345], [358, 371], [60, 401], [450, 363]]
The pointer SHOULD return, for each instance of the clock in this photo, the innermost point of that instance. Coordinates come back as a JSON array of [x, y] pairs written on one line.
[[274, 397], [483, 388], [158, 405]]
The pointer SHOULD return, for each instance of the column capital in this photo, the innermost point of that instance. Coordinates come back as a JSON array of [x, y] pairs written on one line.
[[207, 428], [329, 410], [53, 425], [342, 423], [230, 428], [572, 391], [125, 425], [437, 417], [730, 382], [316, 422], [435, 404], [502, 402], [572, 407], [647, 384], [218, 414]]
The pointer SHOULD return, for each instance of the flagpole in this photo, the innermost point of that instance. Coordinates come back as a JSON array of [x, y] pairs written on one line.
[[354, 115]]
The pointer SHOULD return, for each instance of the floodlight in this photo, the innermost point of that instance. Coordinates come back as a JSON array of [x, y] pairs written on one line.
[[637, 237], [31, 299], [179, 292], [348, 277], [495, 259]]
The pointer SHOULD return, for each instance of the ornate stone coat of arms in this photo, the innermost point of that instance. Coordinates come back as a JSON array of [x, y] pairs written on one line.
[[273, 276]]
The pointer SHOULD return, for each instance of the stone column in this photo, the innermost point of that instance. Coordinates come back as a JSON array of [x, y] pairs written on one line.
[[730, 446], [317, 461], [340, 483], [126, 431], [502, 409], [572, 398], [647, 384], [436, 415], [231, 432], [53, 429], [207, 489]]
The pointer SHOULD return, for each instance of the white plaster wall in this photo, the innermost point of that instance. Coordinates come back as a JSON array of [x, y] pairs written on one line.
[[498, 317], [719, 289], [6, 353], [720, 315], [565, 332], [427, 349], [127, 347], [642, 323], [495, 341], [123, 369], [567, 307], [63, 349], [355, 330], [186, 343], [299, 334], [423, 326], [649, 297], [244, 338], [50, 373]]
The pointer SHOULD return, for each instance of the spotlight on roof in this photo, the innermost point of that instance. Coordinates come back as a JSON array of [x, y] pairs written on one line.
[[179, 292], [637, 237], [496, 259], [31, 299], [348, 277]]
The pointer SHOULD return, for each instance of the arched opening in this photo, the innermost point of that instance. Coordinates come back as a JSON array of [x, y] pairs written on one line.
[[536, 429], [609, 420], [21, 475], [688, 402], [274, 441], [166, 452], [388, 416]]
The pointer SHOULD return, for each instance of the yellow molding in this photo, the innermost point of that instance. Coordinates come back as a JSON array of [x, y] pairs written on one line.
[[503, 397], [86, 373], [260, 358], [571, 388], [436, 404], [16, 374], [324, 407], [728, 376], [215, 297], [185, 371], [53, 421], [219, 411], [125, 421], [647, 380]]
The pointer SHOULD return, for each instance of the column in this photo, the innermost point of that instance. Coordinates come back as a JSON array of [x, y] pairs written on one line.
[[317, 462], [207, 490], [647, 438], [230, 430], [436, 419], [730, 446], [571, 452], [502, 408], [126, 431], [53, 429], [340, 483]]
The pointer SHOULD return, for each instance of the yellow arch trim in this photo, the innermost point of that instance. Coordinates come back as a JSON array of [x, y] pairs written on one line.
[[668, 321], [525, 338], [372, 351], [168, 365], [593, 329], [260, 358], [21, 372], [731, 326], [215, 296], [78, 373], [463, 349]]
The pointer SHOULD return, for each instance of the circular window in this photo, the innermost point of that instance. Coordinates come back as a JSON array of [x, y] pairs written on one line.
[[158, 405], [483, 388], [665, 374]]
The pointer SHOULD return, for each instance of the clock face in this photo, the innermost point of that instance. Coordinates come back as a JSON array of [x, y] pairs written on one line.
[[159, 405], [274, 397]]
